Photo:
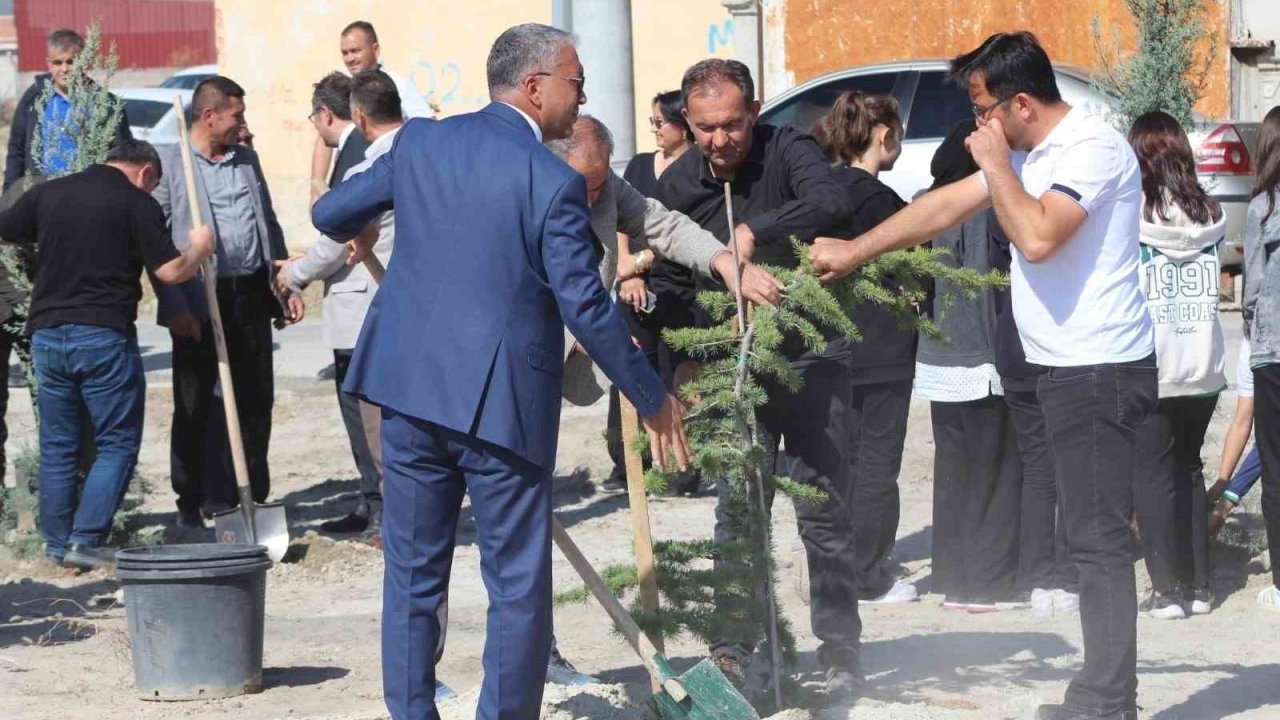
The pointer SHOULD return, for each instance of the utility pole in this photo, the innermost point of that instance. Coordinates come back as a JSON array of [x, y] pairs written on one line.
[[603, 30]]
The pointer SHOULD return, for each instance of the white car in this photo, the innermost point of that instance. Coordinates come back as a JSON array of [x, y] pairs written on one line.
[[151, 112], [189, 78], [931, 105]]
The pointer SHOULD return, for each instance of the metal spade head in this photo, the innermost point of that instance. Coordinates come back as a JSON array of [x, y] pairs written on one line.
[[270, 528]]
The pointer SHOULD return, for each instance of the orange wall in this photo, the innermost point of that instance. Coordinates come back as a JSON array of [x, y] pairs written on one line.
[[826, 35]]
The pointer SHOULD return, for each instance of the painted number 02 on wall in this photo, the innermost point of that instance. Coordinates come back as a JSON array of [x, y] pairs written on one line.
[[442, 85]]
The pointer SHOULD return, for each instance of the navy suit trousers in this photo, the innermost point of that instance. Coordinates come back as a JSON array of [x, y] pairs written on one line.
[[427, 468]]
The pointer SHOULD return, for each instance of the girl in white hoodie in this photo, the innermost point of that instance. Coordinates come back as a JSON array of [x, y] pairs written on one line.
[[1180, 232]]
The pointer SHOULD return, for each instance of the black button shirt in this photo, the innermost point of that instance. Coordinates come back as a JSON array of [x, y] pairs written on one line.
[[784, 188]]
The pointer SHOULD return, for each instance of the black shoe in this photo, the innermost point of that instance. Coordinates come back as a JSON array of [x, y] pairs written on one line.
[[844, 684], [616, 482], [372, 534], [352, 522], [86, 557], [1064, 712], [190, 519]]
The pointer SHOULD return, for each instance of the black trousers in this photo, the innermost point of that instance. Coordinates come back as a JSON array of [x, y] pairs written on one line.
[[9, 341], [811, 423], [1266, 394], [1169, 496], [1093, 414], [200, 452], [1042, 538], [349, 406], [876, 429], [976, 500]]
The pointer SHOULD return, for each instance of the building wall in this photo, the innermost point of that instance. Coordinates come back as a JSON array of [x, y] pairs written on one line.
[[806, 38], [146, 33], [277, 49]]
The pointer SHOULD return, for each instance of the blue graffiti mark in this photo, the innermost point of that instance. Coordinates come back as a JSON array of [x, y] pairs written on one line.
[[442, 84], [719, 36]]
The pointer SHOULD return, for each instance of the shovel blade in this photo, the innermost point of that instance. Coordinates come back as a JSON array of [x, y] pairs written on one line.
[[711, 697], [271, 528]]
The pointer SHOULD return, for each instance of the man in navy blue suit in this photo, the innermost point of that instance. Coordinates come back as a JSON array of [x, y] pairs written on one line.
[[463, 347]]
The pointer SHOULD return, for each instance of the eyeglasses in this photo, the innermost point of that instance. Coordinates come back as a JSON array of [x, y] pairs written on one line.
[[579, 83], [980, 112], [658, 121]]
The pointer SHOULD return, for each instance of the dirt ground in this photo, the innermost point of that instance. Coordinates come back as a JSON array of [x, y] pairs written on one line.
[[63, 655]]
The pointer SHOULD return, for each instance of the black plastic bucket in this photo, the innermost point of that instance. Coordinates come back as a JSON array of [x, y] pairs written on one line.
[[195, 618]]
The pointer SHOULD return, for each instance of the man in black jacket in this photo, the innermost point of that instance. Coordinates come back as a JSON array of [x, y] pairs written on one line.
[[781, 187], [59, 150]]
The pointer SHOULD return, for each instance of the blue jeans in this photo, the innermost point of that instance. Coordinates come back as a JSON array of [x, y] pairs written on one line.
[[1249, 472], [86, 374]]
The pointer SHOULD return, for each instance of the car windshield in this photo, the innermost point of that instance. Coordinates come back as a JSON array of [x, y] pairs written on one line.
[[145, 113], [183, 82]]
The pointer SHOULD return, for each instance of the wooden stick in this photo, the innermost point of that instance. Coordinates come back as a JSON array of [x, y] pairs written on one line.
[[642, 539], [238, 459], [635, 637]]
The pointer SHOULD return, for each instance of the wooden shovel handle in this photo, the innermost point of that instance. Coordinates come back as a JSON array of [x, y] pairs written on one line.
[[637, 639], [219, 337]]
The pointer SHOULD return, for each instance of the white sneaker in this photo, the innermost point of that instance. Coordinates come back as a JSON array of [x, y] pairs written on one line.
[[1269, 598], [1042, 602], [1065, 603], [901, 592]]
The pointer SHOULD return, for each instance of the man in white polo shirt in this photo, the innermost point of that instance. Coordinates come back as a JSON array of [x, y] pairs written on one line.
[[1068, 193]]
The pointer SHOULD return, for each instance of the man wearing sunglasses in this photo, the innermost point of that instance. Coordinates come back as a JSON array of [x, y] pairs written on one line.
[[1068, 193]]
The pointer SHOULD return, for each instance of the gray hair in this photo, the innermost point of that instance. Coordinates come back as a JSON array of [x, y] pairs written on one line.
[[707, 76], [522, 50], [588, 129]]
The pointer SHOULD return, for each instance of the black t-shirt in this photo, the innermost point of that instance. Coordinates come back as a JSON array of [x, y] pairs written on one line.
[[93, 232], [665, 277], [887, 352]]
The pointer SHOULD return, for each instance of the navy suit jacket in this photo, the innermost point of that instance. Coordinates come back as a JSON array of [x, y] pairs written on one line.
[[493, 259]]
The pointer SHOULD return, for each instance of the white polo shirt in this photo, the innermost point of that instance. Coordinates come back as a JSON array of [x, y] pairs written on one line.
[[1084, 305]]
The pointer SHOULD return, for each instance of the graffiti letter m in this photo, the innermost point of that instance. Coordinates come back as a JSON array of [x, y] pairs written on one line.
[[719, 36]]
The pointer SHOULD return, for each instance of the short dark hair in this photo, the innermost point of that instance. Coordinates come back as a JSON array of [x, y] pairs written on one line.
[[365, 26], [706, 75], [213, 93], [1010, 63], [65, 39], [671, 105], [375, 93], [135, 152], [333, 92]]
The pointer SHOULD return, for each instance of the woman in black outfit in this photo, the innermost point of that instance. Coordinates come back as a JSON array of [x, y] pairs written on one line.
[[671, 284], [862, 136]]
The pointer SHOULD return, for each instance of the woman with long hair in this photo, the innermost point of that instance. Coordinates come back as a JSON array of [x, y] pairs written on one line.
[[1262, 312], [1181, 228], [862, 137]]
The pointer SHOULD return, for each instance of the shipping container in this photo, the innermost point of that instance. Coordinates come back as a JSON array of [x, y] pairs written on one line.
[[146, 33]]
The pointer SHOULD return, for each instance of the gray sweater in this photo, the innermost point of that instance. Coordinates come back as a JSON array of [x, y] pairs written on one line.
[[968, 326]]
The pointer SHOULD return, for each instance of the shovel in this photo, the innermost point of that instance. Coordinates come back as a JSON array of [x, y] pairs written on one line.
[[642, 537], [249, 524], [702, 693]]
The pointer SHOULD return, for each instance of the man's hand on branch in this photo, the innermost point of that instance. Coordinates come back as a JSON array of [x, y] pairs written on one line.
[[666, 435], [833, 258], [758, 286]]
